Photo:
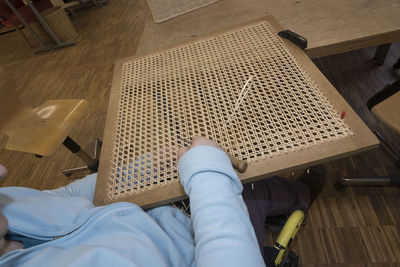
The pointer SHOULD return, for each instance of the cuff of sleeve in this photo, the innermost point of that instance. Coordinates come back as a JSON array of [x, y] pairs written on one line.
[[203, 159]]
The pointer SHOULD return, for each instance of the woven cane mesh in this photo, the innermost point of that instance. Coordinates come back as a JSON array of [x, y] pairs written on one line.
[[168, 97], [167, 9]]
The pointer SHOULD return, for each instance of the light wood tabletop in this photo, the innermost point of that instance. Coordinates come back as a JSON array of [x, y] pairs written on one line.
[[331, 27]]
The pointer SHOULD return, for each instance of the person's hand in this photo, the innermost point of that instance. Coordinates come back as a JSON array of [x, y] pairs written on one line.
[[7, 245], [3, 171], [197, 141]]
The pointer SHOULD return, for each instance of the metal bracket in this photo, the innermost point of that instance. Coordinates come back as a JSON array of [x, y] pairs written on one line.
[[295, 38]]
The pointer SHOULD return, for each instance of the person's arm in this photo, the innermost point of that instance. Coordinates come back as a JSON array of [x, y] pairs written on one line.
[[80, 188], [224, 235]]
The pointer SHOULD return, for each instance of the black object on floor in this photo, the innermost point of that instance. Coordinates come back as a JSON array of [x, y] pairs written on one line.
[[289, 260], [314, 179]]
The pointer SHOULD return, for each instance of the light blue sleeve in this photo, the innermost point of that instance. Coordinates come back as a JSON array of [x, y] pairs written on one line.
[[223, 232], [80, 188]]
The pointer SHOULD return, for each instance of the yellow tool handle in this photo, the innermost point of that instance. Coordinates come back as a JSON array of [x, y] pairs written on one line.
[[287, 234], [239, 165]]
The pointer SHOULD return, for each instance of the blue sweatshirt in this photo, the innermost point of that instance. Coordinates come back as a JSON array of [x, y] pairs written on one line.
[[218, 233]]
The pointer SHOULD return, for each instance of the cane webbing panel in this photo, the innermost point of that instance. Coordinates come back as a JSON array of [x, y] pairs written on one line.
[[167, 9], [168, 97]]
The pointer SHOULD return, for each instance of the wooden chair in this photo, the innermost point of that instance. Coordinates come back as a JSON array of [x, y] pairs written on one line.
[[385, 105], [42, 130]]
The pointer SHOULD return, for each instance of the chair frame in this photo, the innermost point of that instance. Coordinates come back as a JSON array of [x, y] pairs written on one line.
[[390, 180]]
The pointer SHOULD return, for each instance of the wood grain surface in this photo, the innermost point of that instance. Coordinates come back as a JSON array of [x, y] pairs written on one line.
[[331, 27]]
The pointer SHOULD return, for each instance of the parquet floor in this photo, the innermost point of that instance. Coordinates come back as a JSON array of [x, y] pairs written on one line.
[[360, 227]]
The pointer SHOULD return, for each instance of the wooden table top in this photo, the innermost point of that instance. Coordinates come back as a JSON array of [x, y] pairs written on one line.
[[331, 27]]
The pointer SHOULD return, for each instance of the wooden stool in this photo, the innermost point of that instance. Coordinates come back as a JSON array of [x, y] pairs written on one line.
[[41, 130], [385, 105]]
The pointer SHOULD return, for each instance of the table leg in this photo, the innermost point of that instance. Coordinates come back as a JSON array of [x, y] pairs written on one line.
[[381, 53]]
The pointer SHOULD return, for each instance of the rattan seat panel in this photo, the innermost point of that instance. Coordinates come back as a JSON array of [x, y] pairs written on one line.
[[168, 97]]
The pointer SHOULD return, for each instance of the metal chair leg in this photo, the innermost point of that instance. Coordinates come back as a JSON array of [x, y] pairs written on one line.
[[92, 163], [343, 183]]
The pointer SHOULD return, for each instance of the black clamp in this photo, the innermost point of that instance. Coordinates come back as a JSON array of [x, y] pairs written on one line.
[[298, 40]]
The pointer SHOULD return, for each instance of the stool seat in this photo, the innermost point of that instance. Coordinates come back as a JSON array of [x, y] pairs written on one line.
[[388, 112], [385, 105], [41, 130]]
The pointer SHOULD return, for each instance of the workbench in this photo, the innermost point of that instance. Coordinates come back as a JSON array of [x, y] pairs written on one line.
[[331, 27]]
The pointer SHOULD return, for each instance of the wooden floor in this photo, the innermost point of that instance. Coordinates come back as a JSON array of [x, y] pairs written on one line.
[[358, 228]]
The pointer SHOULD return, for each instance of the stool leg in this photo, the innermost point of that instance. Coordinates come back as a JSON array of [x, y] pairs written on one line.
[[390, 149], [343, 183], [97, 148], [92, 163]]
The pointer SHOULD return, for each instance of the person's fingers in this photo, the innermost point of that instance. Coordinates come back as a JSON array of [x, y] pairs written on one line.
[[202, 141], [198, 141], [3, 226], [182, 150], [3, 171]]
